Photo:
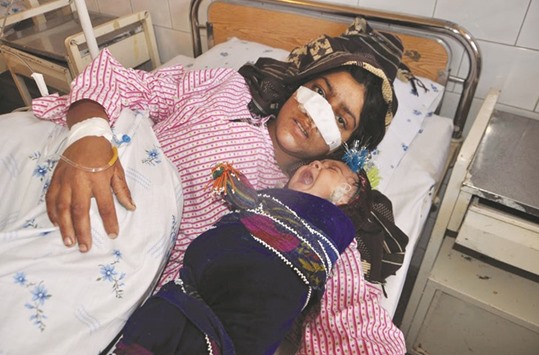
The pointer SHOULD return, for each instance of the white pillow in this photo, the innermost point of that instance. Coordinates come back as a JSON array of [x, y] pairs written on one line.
[[234, 53], [406, 124]]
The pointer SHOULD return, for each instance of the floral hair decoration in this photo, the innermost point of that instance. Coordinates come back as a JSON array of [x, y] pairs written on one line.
[[356, 157]]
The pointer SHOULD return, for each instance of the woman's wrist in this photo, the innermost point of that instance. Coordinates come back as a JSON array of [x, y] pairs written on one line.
[[91, 154], [96, 169], [84, 109], [90, 127], [89, 143]]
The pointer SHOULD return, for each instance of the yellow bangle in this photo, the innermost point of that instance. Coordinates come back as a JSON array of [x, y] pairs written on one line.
[[93, 170]]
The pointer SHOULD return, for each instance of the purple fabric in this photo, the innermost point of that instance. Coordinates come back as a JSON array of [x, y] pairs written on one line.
[[236, 289], [320, 213]]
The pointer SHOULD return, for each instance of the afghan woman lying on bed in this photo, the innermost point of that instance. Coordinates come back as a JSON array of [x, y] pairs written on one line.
[[259, 120]]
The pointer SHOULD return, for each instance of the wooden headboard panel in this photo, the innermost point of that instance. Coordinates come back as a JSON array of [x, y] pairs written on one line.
[[426, 57]]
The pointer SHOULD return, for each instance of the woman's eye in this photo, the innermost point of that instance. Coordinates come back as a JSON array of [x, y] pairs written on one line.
[[319, 91], [341, 121]]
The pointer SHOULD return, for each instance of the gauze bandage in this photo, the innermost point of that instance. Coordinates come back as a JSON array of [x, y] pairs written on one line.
[[95, 126], [341, 191], [320, 111]]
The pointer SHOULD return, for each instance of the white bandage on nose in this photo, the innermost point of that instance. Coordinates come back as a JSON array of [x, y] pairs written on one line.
[[320, 111]]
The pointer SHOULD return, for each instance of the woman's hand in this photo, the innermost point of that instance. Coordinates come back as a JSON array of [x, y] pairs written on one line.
[[71, 188]]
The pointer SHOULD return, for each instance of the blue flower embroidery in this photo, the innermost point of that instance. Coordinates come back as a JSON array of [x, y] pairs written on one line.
[[434, 87], [40, 171], [153, 156], [417, 112], [108, 273], [43, 172], [39, 296], [404, 147], [20, 278]]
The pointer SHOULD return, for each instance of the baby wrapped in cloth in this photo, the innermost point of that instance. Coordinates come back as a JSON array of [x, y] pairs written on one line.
[[245, 281]]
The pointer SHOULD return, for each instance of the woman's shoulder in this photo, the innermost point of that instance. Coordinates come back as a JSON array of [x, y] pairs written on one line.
[[215, 75]]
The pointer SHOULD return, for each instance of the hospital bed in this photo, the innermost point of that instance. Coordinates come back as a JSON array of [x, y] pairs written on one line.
[[412, 160]]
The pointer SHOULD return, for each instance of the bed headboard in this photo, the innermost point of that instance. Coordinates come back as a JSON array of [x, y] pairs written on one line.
[[289, 23]]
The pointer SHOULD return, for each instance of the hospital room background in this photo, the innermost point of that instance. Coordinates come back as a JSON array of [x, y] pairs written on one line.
[[507, 34]]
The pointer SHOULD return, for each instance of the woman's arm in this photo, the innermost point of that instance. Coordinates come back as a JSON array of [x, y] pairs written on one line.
[[71, 189], [103, 89], [114, 87]]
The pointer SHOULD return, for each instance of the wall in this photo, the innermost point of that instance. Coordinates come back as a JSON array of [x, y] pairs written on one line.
[[507, 32]]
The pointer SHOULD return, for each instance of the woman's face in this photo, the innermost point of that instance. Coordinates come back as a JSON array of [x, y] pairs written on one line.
[[329, 179], [295, 136]]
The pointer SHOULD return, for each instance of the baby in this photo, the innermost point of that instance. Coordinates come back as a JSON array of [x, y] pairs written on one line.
[[245, 281]]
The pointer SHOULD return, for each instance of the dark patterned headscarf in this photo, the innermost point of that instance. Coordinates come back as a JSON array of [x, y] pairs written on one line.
[[272, 81]]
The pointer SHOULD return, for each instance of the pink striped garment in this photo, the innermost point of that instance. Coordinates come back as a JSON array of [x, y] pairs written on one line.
[[351, 320], [201, 118]]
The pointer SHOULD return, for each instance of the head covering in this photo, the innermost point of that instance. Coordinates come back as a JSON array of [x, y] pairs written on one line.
[[272, 82], [380, 242]]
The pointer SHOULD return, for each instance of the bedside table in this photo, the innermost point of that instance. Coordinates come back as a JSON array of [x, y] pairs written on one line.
[[499, 199], [477, 290]]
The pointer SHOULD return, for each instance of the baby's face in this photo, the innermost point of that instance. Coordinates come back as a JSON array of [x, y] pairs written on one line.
[[329, 179]]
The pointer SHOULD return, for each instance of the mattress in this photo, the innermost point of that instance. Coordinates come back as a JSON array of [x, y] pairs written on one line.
[[411, 189]]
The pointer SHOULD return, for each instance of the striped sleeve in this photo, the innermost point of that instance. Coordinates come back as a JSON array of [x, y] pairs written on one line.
[[115, 87], [208, 96]]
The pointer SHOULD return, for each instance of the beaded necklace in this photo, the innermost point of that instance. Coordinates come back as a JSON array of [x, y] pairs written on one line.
[[301, 246]]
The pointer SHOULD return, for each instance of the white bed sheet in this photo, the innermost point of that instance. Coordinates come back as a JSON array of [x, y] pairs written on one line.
[[411, 189], [54, 299], [408, 167]]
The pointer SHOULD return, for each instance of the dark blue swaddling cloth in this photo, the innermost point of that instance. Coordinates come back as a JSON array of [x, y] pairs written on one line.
[[245, 281]]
